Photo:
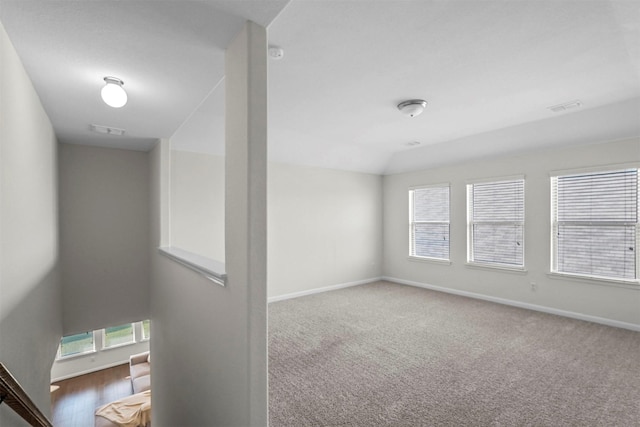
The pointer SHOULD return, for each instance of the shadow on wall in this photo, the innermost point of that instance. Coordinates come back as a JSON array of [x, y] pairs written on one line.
[[29, 336]]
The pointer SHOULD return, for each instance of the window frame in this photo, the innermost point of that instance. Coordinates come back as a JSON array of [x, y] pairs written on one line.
[[143, 336], [471, 261], [554, 222], [60, 356], [413, 223], [109, 347]]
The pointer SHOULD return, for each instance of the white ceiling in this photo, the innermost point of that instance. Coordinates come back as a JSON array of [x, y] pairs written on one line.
[[170, 55], [489, 70]]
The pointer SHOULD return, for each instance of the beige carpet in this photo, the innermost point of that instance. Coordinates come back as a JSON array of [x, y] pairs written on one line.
[[387, 354]]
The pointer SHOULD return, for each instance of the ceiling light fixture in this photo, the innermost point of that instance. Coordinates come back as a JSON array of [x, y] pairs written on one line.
[[412, 107], [113, 93]]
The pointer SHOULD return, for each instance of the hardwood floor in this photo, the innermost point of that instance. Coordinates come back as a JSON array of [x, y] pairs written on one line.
[[74, 403]]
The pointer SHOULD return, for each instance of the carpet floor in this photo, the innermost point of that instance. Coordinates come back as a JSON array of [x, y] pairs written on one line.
[[384, 354]]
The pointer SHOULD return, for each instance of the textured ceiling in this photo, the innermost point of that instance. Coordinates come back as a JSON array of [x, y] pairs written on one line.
[[489, 70]]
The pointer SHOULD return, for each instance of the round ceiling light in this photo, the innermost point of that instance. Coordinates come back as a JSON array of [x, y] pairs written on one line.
[[113, 93], [412, 107]]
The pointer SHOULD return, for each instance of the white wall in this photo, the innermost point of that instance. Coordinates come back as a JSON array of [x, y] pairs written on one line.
[[30, 313], [197, 203], [604, 301], [324, 226], [104, 232], [210, 358]]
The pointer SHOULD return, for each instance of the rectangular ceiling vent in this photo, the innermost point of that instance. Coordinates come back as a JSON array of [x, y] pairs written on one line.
[[566, 106], [106, 130]]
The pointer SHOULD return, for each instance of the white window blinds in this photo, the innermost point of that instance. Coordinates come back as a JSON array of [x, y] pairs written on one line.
[[595, 224], [429, 222], [496, 223]]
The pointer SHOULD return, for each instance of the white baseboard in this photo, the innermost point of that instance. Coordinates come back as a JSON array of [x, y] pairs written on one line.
[[323, 289], [88, 371], [541, 308]]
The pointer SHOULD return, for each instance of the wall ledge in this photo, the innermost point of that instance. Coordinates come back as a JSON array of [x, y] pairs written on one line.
[[209, 268]]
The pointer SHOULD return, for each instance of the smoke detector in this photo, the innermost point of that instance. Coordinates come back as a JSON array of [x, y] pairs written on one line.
[[276, 52]]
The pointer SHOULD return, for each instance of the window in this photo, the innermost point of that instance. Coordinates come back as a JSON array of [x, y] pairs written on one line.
[[595, 224], [496, 223], [73, 345], [429, 222], [146, 329], [118, 335]]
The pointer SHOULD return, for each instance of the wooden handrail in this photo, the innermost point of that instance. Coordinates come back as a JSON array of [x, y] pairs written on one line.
[[14, 396]]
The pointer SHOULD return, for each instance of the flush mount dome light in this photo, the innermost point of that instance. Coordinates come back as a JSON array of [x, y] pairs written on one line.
[[113, 93], [412, 107]]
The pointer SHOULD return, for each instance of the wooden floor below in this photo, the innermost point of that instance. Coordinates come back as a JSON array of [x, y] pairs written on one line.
[[75, 402]]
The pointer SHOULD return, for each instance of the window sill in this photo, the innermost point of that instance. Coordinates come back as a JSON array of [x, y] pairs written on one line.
[[119, 345], [75, 356], [429, 260], [628, 284], [209, 268], [516, 270]]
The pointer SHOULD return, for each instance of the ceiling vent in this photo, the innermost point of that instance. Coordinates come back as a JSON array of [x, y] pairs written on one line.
[[566, 106], [106, 130]]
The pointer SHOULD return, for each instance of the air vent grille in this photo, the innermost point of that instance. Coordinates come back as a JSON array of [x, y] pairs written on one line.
[[566, 106], [106, 130]]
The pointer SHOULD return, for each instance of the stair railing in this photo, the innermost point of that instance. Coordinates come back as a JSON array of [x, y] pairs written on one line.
[[14, 396]]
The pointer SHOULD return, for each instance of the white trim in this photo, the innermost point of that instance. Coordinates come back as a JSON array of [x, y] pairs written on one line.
[[500, 267], [414, 258], [88, 371], [440, 185], [603, 281], [209, 268], [534, 307], [75, 355], [119, 345], [495, 179], [615, 167], [320, 290]]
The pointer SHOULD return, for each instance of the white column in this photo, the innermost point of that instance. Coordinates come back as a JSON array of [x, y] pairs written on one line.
[[246, 200]]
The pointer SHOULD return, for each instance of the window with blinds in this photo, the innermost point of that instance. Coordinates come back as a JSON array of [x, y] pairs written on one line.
[[496, 223], [595, 224], [429, 222]]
